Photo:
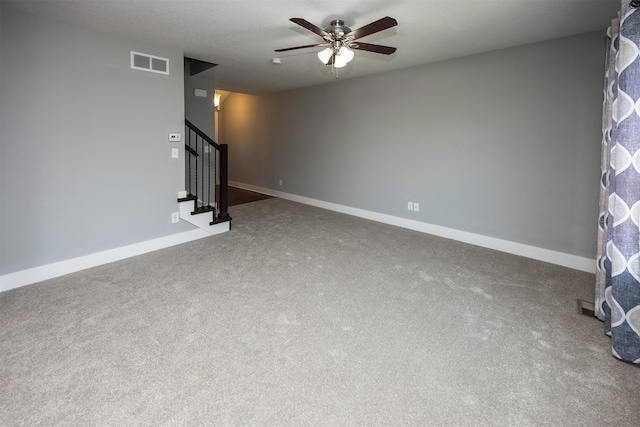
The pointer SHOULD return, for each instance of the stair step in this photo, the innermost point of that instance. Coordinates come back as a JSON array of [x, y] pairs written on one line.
[[187, 213], [220, 220], [186, 199], [203, 209]]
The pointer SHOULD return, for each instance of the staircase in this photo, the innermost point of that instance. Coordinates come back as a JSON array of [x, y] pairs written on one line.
[[204, 203]]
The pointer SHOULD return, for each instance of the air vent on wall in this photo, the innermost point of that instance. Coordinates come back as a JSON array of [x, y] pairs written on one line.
[[145, 62]]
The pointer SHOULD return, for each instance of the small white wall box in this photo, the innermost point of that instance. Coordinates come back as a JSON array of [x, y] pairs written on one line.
[[175, 137], [200, 92]]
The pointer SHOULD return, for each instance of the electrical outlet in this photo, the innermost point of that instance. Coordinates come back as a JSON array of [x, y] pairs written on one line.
[[410, 206], [416, 207], [175, 217]]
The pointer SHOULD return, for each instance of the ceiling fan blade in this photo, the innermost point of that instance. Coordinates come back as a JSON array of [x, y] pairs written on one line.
[[374, 27], [376, 48], [309, 26], [298, 47]]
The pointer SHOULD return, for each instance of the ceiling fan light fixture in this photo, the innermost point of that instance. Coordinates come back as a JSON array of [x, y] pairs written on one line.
[[325, 55], [346, 54], [339, 62]]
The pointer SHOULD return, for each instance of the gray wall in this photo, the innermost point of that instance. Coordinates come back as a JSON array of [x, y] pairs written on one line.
[[1, 150], [199, 111], [84, 143], [504, 144]]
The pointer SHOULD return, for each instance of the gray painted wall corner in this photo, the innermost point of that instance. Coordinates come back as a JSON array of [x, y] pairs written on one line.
[[503, 144]]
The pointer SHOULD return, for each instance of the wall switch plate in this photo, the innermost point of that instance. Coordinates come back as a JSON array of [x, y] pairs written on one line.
[[175, 153], [416, 207], [410, 206], [280, 182], [175, 217], [175, 137]]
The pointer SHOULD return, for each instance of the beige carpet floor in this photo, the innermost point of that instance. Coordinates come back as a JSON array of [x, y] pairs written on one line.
[[302, 316]]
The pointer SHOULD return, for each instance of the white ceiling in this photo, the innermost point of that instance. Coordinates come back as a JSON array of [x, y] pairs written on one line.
[[241, 35]]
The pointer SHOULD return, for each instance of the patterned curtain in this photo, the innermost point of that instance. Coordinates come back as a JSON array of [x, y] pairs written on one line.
[[618, 258]]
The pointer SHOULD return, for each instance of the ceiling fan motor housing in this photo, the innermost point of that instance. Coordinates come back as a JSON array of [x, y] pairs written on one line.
[[337, 31]]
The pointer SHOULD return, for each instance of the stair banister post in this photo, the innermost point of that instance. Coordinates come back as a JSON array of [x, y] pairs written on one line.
[[224, 182]]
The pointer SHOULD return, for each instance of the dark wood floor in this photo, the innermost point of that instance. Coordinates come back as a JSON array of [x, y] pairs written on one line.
[[238, 196]]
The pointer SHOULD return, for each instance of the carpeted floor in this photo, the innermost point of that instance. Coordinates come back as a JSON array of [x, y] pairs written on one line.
[[302, 316]]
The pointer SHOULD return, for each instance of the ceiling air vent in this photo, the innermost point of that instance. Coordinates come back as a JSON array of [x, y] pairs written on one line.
[[145, 62]]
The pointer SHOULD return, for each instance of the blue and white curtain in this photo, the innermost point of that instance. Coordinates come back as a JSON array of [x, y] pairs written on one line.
[[618, 266]]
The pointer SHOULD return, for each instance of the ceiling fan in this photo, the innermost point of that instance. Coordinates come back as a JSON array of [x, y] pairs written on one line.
[[340, 39]]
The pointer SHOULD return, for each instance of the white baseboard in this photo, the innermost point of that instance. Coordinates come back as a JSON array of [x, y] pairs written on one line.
[[559, 258], [49, 271]]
